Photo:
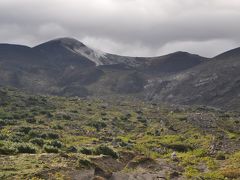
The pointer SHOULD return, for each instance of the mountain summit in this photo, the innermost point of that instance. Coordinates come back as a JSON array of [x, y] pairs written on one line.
[[67, 67], [73, 46]]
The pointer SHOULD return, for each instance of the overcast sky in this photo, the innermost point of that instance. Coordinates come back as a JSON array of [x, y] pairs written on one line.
[[126, 27]]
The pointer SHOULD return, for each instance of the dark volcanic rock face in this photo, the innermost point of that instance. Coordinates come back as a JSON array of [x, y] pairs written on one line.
[[174, 63], [215, 83], [66, 66]]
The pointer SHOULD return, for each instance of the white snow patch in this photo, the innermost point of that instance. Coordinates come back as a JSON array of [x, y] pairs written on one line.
[[72, 67], [94, 55]]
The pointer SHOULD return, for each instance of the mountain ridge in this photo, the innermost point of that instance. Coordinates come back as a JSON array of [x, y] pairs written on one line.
[[67, 67]]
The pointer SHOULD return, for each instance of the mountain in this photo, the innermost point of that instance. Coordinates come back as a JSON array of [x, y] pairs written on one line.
[[215, 83], [67, 67], [69, 47]]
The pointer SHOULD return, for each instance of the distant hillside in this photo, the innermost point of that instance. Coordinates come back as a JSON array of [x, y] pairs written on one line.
[[67, 67]]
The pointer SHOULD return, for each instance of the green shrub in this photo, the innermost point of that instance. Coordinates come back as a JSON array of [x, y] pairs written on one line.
[[85, 150], [128, 115], [31, 120], [105, 150], [124, 118], [71, 149], [7, 121], [40, 122], [25, 148], [44, 136], [67, 117], [182, 118], [7, 148], [35, 134], [179, 147], [103, 113], [139, 112], [53, 136], [50, 149], [220, 156], [2, 123], [142, 120], [85, 163], [17, 116], [17, 137], [56, 143], [3, 137], [157, 132], [49, 115], [37, 141], [98, 125], [25, 130], [57, 126]]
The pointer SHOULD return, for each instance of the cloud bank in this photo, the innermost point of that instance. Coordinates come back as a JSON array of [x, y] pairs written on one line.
[[126, 27]]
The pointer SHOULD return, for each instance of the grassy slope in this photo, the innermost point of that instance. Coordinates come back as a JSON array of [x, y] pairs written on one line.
[[199, 136]]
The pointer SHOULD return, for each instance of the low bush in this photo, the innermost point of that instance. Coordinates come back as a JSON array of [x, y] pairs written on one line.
[[98, 125], [3, 137], [25, 148], [17, 137], [85, 150], [35, 134], [105, 150], [85, 163], [71, 149], [7, 148], [103, 113], [220, 156], [31, 120], [57, 126], [37, 141], [2, 123], [179, 147], [51, 149], [56, 143], [25, 130], [53, 136]]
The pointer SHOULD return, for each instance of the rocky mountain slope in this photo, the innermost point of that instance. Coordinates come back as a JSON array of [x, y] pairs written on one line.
[[67, 67], [215, 83]]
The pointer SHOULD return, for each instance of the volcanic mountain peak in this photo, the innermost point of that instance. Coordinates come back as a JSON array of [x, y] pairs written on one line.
[[76, 47], [66, 43]]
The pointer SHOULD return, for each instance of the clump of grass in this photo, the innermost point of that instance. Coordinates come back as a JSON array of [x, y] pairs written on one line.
[[212, 175], [191, 172]]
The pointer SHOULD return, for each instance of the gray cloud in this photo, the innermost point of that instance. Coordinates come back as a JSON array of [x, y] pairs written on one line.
[[127, 27]]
